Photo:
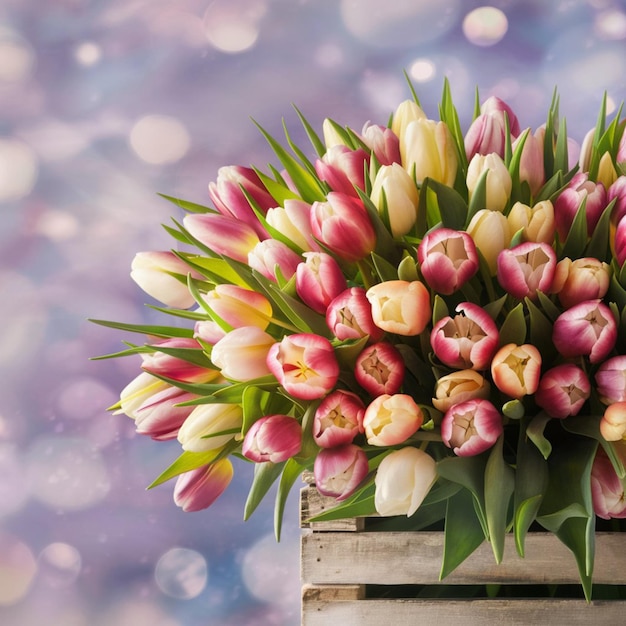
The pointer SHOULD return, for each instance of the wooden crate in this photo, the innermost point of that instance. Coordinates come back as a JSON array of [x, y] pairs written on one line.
[[341, 562]]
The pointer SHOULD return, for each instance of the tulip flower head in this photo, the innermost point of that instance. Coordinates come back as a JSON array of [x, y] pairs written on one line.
[[270, 255], [339, 470], [611, 380], [319, 280], [293, 220], [607, 490], [563, 390], [581, 279], [391, 419], [613, 422], [536, 223], [383, 143], [471, 427], [379, 369], [273, 438], [199, 488], [338, 419], [238, 306], [161, 415], [458, 387], [343, 169], [526, 269], [491, 233], [210, 426], [349, 316], [515, 370], [498, 184], [242, 353]]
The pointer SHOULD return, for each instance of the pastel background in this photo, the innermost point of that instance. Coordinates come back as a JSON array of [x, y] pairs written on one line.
[[105, 103]]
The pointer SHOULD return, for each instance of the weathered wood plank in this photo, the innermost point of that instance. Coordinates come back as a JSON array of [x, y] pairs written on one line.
[[396, 558], [313, 503], [505, 612]]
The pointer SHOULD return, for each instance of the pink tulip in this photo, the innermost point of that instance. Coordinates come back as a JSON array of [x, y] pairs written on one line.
[[160, 416], [567, 203], [613, 422], [487, 132], [611, 380], [305, 365], [338, 471], [319, 280], [494, 106], [447, 259], [242, 353], [466, 341], [343, 226], [531, 169], [383, 143], [176, 368], [586, 329], [229, 199], [208, 331], [515, 370], [293, 220], [273, 438], [620, 157], [458, 387], [391, 419], [403, 479], [581, 279], [617, 192], [349, 316], [607, 490], [138, 391], [270, 256], [156, 273], [199, 488], [526, 269], [379, 369], [563, 390], [210, 426], [238, 306], [343, 169], [338, 419], [400, 306], [223, 234], [471, 427], [620, 242]]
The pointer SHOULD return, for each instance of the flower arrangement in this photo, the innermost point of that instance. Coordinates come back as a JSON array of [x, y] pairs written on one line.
[[433, 322]]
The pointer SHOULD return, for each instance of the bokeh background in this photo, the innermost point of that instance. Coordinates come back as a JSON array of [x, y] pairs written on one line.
[[104, 103]]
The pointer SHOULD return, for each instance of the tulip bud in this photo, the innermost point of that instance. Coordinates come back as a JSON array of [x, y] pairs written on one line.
[[429, 151], [343, 169], [406, 112], [208, 331], [242, 353], [403, 479], [400, 306], [580, 280], [607, 490], [338, 419], [270, 256], [620, 242], [515, 370], [563, 390], [273, 438], [395, 190], [498, 184], [586, 148], [229, 199], [458, 387], [494, 105], [155, 273], [338, 471], [447, 259], [331, 137], [305, 365], [349, 316], [617, 192], [613, 422], [471, 427], [199, 488], [239, 307], [161, 416], [487, 132], [586, 329], [223, 234], [343, 226], [319, 280], [526, 269], [466, 341], [491, 234], [391, 419], [293, 220], [537, 223], [531, 168], [139, 391], [607, 173], [210, 426], [567, 203], [175, 368], [379, 369], [611, 380], [383, 143]]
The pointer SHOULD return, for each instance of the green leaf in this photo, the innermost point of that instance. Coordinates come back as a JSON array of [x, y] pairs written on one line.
[[499, 486], [578, 534], [452, 208], [192, 207], [265, 475], [463, 532], [277, 190], [318, 144], [440, 309], [186, 462], [598, 246], [147, 329], [359, 504], [385, 270], [576, 240], [535, 432], [540, 331], [478, 200], [513, 329], [194, 356], [407, 270], [292, 471]]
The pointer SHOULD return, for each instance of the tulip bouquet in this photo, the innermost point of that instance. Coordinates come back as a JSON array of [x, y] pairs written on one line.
[[432, 321]]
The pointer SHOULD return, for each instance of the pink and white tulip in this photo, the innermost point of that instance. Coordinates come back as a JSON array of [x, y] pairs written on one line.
[[526, 269], [611, 380], [379, 369], [581, 279], [563, 390], [273, 438], [383, 143], [515, 370], [305, 365], [138, 391], [242, 353], [607, 490], [349, 316], [199, 488], [161, 416], [270, 256], [338, 419], [471, 427], [531, 168], [620, 242], [319, 280], [343, 169], [391, 419], [293, 220], [339, 471], [238, 306], [210, 426]]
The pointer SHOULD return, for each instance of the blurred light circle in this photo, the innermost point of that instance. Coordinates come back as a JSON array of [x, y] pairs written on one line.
[[59, 564], [18, 169], [181, 573], [14, 491], [17, 569], [268, 566], [422, 70], [233, 25], [159, 139], [57, 225], [485, 26], [381, 90], [611, 25], [87, 53], [16, 57], [83, 398], [67, 474], [399, 23]]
